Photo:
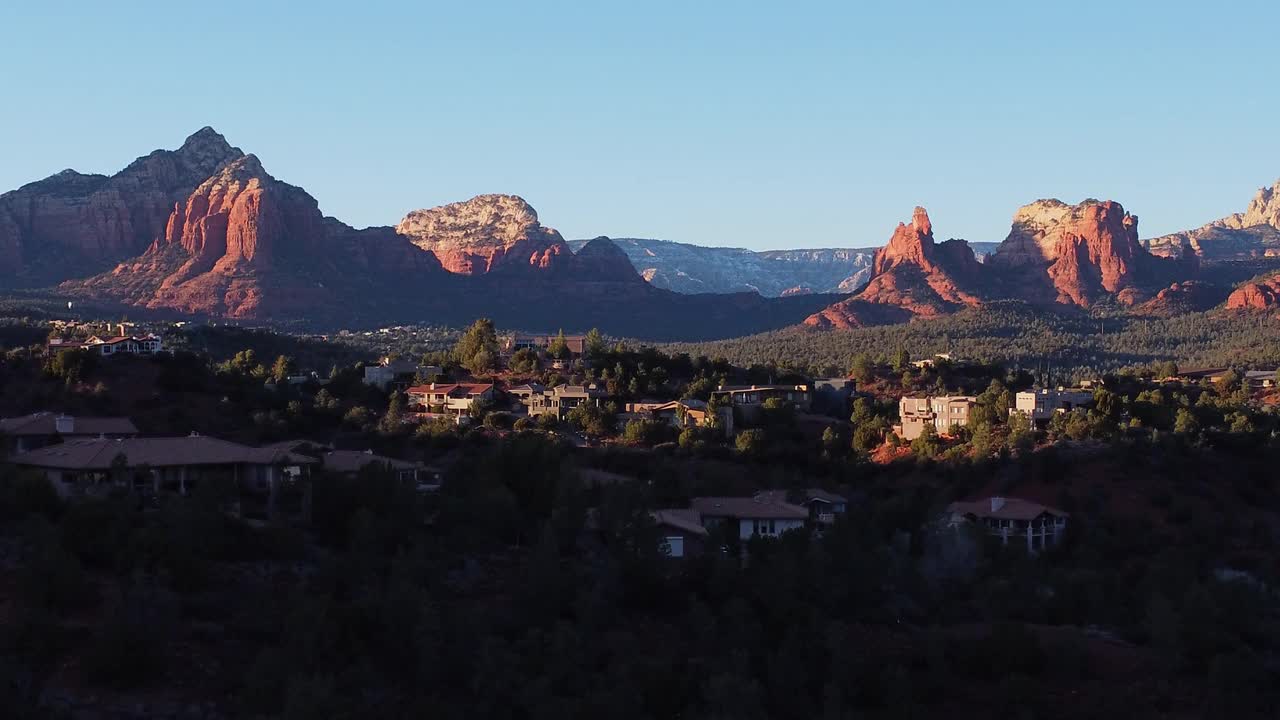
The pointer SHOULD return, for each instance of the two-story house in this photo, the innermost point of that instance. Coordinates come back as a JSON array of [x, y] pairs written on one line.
[[1041, 405], [750, 516], [942, 412], [451, 398], [562, 399]]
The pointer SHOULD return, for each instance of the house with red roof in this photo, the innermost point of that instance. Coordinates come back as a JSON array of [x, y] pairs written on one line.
[[451, 398]]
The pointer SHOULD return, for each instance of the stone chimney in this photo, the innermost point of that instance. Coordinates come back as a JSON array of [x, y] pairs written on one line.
[[996, 504], [64, 424]]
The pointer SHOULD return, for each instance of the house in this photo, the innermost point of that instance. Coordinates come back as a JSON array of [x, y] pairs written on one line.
[[683, 534], [561, 399], [575, 344], [158, 465], [823, 506], [37, 430], [1261, 379], [398, 374], [753, 516], [832, 396], [1040, 406], [942, 412], [113, 345], [451, 398], [351, 462], [1011, 520], [754, 395], [930, 362], [523, 393]]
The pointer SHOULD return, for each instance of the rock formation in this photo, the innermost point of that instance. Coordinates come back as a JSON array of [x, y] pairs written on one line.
[[71, 223], [246, 245], [1077, 255], [1251, 234], [911, 277], [1261, 294], [483, 234]]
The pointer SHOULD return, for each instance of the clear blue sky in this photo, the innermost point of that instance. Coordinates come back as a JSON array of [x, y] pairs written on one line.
[[772, 125]]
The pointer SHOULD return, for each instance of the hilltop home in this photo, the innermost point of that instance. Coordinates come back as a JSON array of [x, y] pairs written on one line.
[[398, 374], [753, 516], [1012, 520], [451, 398], [351, 462], [941, 412], [576, 345], [108, 346], [682, 532], [823, 506], [165, 465], [37, 430], [1041, 405], [561, 399]]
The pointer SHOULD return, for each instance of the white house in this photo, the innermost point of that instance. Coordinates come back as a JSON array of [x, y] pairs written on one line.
[[1041, 405]]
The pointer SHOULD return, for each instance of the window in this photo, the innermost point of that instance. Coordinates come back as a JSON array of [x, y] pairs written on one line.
[[675, 546]]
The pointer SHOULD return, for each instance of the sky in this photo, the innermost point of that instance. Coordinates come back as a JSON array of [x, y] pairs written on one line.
[[769, 125]]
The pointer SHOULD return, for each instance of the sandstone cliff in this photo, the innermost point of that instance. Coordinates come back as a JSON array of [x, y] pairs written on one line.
[[71, 223], [1262, 294], [1078, 255], [484, 234], [1253, 233], [912, 276]]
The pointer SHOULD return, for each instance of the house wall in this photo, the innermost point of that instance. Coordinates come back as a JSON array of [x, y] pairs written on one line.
[[747, 528]]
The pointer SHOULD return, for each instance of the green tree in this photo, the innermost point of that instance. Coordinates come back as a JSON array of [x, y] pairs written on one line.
[[902, 360], [477, 349], [393, 419], [750, 442], [559, 347], [594, 343], [282, 368], [927, 444], [863, 368], [1185, 422]]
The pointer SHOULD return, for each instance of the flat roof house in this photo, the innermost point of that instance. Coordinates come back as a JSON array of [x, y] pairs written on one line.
[[1041, 405], [941, 412], [1012, 520], [560, 399], [37, 430], [765, 517]]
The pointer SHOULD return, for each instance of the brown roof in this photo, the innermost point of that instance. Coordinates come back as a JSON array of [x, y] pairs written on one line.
[[810, 494], [1010, 509], [351, 461], [747, 508], [680, 519], [45, 423], [453, 390], [98, 453]]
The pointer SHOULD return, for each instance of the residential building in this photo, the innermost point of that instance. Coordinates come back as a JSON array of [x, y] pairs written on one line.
[[1040, 405], [112, 345], [823, 506], [1260, 379], [683, 534], [575, 344], [175, 465], [752, 516], [833, 396], [351, 462], [942, 412], [398, 374], [1012, 520], [450, 398], [798, 396], [930, 362], [37, 430], [561, 399]]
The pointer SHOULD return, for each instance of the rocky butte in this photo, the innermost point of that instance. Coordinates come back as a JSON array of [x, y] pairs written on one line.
[[911, 276], [483, 234], [73, 222], [1251, 234]]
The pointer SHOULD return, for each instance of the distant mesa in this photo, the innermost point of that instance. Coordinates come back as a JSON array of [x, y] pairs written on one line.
[[1252, 234]]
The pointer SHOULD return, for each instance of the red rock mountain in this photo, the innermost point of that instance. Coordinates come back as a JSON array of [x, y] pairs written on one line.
[[242, 244], [74, 223], [1262, 294], [1076, 254], [911, 277], [1254, 233], [484, 234], [246, 245]]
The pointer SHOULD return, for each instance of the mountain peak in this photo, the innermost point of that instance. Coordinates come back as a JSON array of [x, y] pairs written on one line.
[[205, 150], [475, 236]]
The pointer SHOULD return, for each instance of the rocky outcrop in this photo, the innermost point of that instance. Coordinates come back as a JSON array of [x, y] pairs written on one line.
[[912, 276], [600, 260], [246, 245], [1254, 233], [1184, 297], [484, 234], [71, 223], [1261, 294], [1078, 255]]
